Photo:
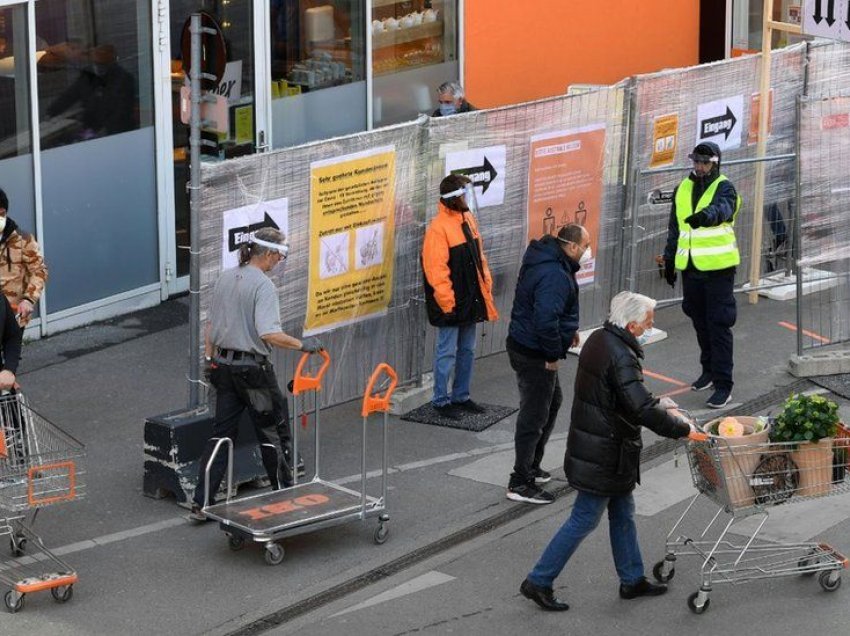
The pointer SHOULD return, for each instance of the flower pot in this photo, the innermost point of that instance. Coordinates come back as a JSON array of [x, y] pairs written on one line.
[[814, 464], [739, 457]]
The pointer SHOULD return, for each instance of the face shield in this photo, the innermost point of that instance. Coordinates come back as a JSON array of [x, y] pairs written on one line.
[[468, 194], [280, 248]]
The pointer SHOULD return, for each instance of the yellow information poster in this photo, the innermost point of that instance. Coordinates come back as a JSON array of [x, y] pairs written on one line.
[[665, 135], [352, 242], [244, 123]]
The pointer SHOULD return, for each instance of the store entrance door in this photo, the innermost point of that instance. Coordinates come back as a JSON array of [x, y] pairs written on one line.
[[240, 131]]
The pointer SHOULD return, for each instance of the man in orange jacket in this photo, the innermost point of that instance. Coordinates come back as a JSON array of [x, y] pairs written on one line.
[[458, 294]]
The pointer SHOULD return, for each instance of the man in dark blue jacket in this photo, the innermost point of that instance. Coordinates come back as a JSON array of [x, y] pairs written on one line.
[[544, 325]]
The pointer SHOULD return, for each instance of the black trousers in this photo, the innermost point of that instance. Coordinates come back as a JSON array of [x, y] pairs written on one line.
[[252, 387], [710, 304], [540, 398]]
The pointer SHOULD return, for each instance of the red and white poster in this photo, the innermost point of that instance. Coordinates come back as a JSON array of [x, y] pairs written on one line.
[[565, 185]]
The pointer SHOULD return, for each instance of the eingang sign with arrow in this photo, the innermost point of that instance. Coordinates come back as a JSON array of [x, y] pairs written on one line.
[[240, 225], [485, 167], [720, 121]]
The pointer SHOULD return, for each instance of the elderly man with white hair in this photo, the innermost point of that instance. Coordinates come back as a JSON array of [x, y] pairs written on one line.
[[451, 100], [610, 407]]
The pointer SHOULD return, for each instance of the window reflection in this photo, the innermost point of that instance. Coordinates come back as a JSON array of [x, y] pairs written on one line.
[[94, 73], [14, 84]]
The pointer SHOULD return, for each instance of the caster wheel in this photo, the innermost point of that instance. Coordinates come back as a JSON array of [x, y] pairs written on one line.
[[17, 546], [694, 607], [807, 562], [659, 571], [381, 534], [63, 593], [235, 543], [274, 554], [14, 602], [827, 584]]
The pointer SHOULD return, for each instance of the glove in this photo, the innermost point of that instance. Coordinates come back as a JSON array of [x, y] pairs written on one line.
[[669, 273], [700, 219], [666, 403], [311, 345]]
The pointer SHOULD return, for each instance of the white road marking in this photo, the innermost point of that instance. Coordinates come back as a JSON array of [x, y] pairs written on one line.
[[427, 580]]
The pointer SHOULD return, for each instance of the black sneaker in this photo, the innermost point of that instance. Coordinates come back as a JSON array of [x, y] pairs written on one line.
[[447, 411], [719, 398], [196, 515], [702, 383], [470, 407], [530, 493], [301, 468], [541, 476]]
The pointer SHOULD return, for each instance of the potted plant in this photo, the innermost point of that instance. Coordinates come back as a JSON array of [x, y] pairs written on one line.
[[808, 423]]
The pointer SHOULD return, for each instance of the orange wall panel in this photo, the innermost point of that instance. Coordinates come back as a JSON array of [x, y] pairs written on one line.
[[520, 50]]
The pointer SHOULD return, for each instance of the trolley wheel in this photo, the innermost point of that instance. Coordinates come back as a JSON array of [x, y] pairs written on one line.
[[827, 583], [63, 593], [274, 554], [659, 572], [698, 608], [805, 564], [381, 534], [235, 543], [17, 546], [12, 604]]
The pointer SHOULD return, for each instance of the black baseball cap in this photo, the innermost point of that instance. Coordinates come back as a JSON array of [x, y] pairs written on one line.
[[705, 153]]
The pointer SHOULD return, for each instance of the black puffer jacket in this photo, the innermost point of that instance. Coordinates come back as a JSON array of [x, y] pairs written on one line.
[[610, 406]]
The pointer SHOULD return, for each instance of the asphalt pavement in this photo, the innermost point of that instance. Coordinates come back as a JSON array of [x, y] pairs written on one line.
[[457, 549]]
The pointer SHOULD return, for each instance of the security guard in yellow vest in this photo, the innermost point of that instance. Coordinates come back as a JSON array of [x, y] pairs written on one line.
[[701, 244]]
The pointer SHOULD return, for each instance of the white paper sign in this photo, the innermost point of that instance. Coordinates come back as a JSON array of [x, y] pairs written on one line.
[[240, 224], [721, 122], [486, 168], [827, 19]]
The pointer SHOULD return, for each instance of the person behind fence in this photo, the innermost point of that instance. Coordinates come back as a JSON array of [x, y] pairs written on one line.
[[23, 273], [610, 407], [243, 327], [451, 100], [701, 244], [458, 295], [544, 325]]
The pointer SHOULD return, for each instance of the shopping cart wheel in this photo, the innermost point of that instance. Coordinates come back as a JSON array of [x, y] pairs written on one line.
[[830, 580], [17, 545], [381, 534], [63, 593], [235, 543], [14, 601], [274, 554], [663, 571], [805, 565], [698, 602]]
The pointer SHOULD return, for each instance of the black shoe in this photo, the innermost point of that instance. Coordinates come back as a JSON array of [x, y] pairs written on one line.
[[529, 493], [702, 383], [541, 476], [719, 398], [470, 407], [642, 588], [543, 596], [301, 468], [196, 515], [447, 411]]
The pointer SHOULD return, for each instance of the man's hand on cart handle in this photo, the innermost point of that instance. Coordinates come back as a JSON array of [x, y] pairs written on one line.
[[311, 344], [7, 380]]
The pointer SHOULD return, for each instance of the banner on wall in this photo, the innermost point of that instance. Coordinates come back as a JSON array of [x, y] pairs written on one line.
[[352, 230], [565, 185], [485, 167], [755, 114], [665, 136], [240, 225]]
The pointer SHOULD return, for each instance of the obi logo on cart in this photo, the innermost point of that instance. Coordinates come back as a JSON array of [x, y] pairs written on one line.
[[283, 507]]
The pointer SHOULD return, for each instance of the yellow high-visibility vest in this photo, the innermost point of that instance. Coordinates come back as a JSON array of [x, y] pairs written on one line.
[[710, 248]]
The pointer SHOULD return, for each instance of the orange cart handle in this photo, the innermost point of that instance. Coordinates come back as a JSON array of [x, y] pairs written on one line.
[[303, 381], [696, 436], [379, 403]]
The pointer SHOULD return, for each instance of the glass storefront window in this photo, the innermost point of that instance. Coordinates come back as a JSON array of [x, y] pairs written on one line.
[[747, 18], [94, 69], [315, 44], [15, 137], [412, 33]]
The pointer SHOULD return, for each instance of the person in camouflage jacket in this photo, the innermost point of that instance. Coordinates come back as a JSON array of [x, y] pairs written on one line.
[[23, 273]]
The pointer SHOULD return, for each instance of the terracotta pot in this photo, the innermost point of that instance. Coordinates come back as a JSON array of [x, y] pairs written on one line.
[[814, 464], [739, 457]]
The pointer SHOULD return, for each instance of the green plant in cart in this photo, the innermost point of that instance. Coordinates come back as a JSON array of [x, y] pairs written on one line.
[[805, 418]]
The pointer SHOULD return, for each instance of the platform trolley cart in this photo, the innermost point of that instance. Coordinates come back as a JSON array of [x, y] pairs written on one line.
[[267, 518], [40, 465], [745, 481]]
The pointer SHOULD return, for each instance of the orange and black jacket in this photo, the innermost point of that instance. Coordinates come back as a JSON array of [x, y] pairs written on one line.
[[458, 285]]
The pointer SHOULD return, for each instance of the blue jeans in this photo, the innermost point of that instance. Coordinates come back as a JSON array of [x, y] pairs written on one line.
[[587, 511], [455, 349]]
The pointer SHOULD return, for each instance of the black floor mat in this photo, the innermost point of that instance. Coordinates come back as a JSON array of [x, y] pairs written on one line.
[[838, 384], [476, 422]]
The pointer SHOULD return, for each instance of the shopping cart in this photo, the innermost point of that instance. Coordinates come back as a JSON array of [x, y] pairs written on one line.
[[271, 516], [40, 465], [745, 481]]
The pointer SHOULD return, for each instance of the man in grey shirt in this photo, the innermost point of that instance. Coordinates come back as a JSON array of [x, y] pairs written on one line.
[[244, 325]]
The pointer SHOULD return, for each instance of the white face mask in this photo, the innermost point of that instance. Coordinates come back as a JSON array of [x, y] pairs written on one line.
[[586, 257], [2, 223]]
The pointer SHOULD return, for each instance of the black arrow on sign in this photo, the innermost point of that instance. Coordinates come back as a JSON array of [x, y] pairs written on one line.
[[237, 236], [847, 22], [818, 15], [720, 124], [482, 176], [830, 12]]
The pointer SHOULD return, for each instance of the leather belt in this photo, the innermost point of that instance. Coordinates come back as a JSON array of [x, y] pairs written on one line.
[[228, 356]]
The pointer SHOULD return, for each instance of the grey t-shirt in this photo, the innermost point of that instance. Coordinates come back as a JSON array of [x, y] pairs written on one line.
[[244, 308]]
